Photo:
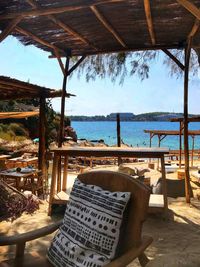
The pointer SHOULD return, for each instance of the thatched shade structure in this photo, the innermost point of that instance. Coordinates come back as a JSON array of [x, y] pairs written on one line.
[[181, 128], [91, 27], [16, 89], [163, 133], [121, 25]]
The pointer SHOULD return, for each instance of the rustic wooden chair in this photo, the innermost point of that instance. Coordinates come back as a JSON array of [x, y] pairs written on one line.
[[131, 244]]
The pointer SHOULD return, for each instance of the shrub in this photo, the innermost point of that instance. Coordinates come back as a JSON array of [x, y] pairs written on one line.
[[4, 127], [20, 138], [6, 136], [18, 129]]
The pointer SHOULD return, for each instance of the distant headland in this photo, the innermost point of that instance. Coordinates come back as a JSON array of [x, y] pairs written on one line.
[[128, 116]]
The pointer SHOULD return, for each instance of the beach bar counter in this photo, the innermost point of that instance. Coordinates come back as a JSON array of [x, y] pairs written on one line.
[[58, 191]]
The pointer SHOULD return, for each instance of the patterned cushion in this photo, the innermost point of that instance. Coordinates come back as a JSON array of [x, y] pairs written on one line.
[[90, 231]]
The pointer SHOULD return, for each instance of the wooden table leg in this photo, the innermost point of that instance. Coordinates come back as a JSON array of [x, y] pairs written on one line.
[[164, 183], [64, 182], [18, 179], [53, 182], [59, 171]]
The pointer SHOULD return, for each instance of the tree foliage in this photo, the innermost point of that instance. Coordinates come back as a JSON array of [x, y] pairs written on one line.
[[120, 65], [174, 69]]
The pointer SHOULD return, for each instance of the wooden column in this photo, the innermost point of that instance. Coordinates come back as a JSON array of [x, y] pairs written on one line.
[[164, 183], [62, 116], [180, 142], [150, 140], [42, 137], [62, 119], [159, 140], [118, 136], [192, 155], [118, 131], [185, 131]]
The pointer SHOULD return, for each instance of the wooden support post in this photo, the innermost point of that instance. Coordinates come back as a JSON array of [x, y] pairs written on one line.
[[192, 156], [42, 138], [62, 119], [118, 131], [118, 136], [186, 145], [150, 141], [158, 146], [20, 250], [64, 183], [53, 182], [159, 140], [180, 143], [164, 185], [62, 116]]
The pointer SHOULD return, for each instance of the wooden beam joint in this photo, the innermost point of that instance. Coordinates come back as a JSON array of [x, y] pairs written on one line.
[[169, 54]]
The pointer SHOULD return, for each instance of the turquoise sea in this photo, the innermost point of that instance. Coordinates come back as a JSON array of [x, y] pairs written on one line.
[[132, 133]]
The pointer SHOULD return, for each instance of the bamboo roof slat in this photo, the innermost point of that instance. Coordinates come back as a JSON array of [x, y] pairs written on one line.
[[121, 25]]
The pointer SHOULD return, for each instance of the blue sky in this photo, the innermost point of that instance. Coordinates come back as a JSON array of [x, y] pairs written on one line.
[[158, 93]]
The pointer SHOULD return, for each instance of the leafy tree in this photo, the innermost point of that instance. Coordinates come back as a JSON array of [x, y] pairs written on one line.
[[117, 66]]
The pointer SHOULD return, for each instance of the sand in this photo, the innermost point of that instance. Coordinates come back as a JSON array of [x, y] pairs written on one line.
[[176, 240]]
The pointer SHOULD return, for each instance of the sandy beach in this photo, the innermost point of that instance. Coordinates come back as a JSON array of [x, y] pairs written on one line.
[[175, 240]]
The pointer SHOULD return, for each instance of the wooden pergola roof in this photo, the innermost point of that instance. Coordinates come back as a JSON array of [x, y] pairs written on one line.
[[101, 26], [15, 89], [168, 132]]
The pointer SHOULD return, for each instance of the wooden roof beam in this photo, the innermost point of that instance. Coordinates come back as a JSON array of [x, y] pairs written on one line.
[[194, 29], [57, 54], [147, 9], [190, 7], [169, 54], [44, 11], [107, 25], [76, 65], [34, 5], [57, 93], [9, 28]]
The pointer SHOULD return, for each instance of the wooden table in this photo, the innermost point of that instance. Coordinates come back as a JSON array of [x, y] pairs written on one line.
[[58, 190], [22, 162], [16, 176]]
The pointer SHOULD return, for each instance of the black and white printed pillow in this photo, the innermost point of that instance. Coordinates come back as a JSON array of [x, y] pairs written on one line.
[[90, 231]]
